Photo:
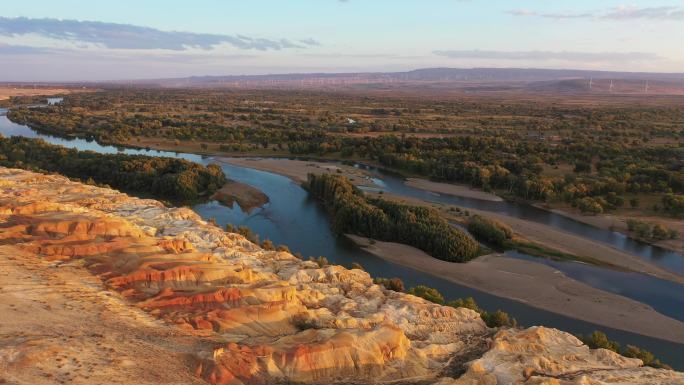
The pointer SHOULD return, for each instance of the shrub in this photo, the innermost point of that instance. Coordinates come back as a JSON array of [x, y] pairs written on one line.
[[490, 231], [283, 248], [674, 204], [642, 230], [428, 293], [615, 200], [247, 233], [303, 321], [321, 261], [582, 167], [356, 265], [498, 319], [660, 232], [267, 245], [632, 224], [589, 205], [395, 284], [598, 340], [468, 303]]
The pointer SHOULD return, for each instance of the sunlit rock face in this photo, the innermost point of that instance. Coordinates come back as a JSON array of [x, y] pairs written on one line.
[[265, 316]]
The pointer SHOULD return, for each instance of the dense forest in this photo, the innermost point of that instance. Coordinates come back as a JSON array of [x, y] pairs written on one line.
[[164, 178], [596, 155], [423, 228]]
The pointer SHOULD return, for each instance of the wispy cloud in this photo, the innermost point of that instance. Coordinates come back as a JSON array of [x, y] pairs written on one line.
[[8, 49], [522, 12], [656, 13], [567, 15], [554, 15], [310, 42], [126, 36], [616, 13], [550, 55]]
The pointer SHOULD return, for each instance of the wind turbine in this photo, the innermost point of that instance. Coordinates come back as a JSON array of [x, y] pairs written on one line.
[[591, 82], [611, 86]]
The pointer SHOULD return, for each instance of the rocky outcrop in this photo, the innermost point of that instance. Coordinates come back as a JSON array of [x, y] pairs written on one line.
[[265, 316]]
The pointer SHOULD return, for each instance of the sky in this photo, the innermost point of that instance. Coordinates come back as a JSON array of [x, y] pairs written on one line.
[[72, 40]]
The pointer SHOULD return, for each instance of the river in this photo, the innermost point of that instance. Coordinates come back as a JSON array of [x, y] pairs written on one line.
[[294, 219]]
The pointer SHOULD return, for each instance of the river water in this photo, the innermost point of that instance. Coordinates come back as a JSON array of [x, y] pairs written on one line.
[[294, 219]]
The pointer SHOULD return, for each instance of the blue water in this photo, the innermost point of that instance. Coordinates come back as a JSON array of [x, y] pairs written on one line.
[[664, 296], [667, 259]]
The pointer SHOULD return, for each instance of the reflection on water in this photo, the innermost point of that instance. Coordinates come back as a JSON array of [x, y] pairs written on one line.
[[292, 218]]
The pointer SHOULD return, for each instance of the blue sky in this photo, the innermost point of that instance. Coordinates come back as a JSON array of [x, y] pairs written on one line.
[[95, 40]]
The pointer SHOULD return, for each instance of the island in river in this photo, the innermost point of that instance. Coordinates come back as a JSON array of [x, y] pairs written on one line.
[[246, 196], [537, 285]]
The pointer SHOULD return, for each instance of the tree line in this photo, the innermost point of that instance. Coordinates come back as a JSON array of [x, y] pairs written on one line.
[[164, 178], [420, 227], [595, 158]]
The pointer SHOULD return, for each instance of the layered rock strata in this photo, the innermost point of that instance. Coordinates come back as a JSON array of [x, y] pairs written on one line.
[[261, 316]]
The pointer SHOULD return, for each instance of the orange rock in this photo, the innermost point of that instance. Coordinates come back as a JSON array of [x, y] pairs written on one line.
[[285, 318]]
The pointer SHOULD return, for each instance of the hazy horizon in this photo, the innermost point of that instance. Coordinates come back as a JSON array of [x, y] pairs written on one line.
[[83, 41]]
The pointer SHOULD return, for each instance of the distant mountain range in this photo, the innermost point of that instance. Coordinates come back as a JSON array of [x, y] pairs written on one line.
[[439, 79], [440, 74], [471, 79]]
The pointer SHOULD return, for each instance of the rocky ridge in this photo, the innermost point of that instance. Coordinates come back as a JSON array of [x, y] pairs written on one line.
[[252, 316]]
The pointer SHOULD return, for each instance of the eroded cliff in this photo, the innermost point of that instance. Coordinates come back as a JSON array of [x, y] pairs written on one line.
[[215, 307]]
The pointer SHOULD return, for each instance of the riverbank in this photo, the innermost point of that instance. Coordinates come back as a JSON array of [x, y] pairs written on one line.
[[619, 223], [246, 196], [536, 285], [556, 239], [298, 170], [452, 189], [536, 232], [279, 162]]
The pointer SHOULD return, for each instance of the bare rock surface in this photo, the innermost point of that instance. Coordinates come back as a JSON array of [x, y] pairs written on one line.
[[99, 287]]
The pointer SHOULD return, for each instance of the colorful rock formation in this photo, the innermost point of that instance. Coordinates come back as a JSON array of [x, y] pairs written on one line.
[[263, 316]]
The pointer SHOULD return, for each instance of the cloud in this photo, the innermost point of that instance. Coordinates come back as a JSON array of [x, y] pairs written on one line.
[[7, 49], [617, 13], [656, 13], [126, 36], [556, 15], [562, 15], [522, 12], [551, 55], [310, 42]]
